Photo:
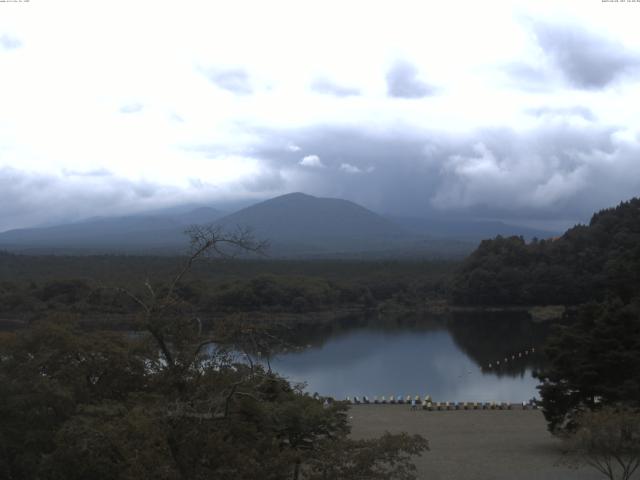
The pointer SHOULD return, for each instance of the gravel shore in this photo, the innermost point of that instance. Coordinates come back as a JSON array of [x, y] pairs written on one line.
[[474, 444]]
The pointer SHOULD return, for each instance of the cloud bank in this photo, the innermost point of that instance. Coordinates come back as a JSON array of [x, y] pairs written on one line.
[[586, 59], [525, 110]]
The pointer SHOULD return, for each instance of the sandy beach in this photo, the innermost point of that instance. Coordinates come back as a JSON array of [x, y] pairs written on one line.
[[474, 444]]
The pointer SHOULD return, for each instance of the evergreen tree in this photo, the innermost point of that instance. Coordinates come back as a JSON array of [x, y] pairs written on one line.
[[593, 362]]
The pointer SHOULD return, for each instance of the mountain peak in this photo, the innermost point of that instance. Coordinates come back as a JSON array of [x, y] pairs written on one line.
[[293, 196], [299, 218]]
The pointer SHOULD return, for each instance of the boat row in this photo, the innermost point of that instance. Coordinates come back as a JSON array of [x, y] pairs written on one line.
[[426, 403], [513, 357]]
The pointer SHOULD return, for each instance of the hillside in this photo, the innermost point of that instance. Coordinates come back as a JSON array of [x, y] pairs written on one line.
[[302, 223], [296, 225], [586, 263], [469, 229], [155, 231]]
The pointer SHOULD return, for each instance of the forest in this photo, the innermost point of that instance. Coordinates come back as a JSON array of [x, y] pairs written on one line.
[[121, 366], [587, 263], [593, 357], [31, 286], [168, 399]]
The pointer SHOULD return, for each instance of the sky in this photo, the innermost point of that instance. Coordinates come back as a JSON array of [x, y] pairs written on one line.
[[525, 111]]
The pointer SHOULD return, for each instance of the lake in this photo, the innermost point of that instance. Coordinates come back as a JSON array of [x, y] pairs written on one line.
[[447, 357]]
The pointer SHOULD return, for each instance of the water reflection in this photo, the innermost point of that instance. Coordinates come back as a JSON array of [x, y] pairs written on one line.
[[446, 357]]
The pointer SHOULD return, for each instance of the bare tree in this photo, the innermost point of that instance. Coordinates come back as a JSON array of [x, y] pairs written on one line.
[[157, 304], [608, 440]]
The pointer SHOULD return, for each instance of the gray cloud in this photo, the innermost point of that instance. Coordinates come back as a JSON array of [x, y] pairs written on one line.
[[233, 80], [549, 173], [268, 183], [586, 59], [564, 170], [9, 43], [528, 77], [403, 82], [325, 86], [31, 199]]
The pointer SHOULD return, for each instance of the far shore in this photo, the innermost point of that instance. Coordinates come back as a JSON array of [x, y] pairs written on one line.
[[126, 321], [474, 444]]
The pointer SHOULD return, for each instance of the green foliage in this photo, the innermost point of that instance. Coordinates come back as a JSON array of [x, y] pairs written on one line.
[[269, 292], [593, 362], [77, 405], [586, 263], [33, 285], [170, 403]]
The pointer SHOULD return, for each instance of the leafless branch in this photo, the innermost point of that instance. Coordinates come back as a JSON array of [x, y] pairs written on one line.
[[206, 239], [146, 307]]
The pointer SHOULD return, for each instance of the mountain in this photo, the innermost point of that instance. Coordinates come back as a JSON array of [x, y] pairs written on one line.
[[470, 230], [154, 232], [297, 223]]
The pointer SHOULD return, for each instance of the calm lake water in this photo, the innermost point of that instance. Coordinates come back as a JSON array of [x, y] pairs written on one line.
[[447, 358]]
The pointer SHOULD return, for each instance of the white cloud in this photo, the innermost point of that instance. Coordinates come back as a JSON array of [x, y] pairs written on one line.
[[131, 108], [312, 161], [347, 167], [292, 147]]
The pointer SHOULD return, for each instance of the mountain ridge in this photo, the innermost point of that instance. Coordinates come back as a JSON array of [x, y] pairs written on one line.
[[295, 224]]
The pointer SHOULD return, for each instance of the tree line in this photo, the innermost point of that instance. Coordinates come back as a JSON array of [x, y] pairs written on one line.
[[587, 263]]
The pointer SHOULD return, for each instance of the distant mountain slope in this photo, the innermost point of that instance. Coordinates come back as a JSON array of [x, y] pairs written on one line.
[[297, 215], [296, 225], [299, 223], [471, 230], [134, 232]]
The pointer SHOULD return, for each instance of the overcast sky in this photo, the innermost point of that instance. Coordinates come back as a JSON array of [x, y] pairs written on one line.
[[525, 111]]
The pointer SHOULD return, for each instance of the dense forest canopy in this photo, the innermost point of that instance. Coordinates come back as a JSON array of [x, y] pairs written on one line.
[[592, 362], [32, 286], [171, 401], [586, 263]]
